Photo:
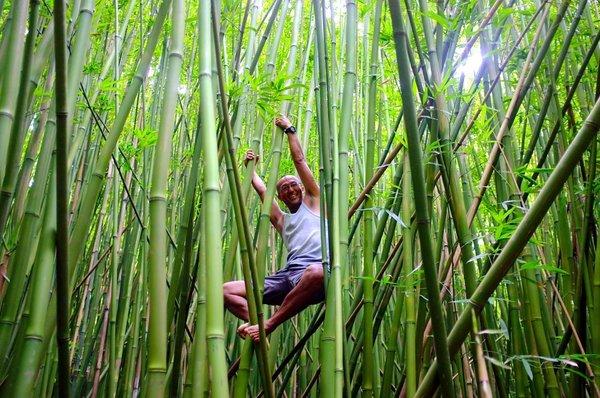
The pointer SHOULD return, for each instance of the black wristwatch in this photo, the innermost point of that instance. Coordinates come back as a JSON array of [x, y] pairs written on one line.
[[290, 130]]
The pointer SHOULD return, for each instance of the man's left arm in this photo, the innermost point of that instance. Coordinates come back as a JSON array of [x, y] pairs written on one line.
[[304, 172]]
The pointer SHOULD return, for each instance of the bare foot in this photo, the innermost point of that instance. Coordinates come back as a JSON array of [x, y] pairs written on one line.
[[241, 331], [254, 333]]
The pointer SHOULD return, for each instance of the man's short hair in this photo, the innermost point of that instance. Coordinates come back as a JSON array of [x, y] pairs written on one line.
[[283, 178]]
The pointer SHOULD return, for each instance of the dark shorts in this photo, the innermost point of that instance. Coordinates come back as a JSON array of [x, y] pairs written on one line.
[[278, 285]]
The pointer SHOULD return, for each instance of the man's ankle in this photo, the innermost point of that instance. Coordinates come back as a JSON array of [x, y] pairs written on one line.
[[269, 326]]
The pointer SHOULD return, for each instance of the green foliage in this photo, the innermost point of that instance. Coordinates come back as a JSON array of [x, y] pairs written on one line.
[[511, 346], [270, 92], [146, 139], [93, 68]]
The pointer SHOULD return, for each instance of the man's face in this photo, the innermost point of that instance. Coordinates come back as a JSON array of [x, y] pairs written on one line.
[[289, 191]]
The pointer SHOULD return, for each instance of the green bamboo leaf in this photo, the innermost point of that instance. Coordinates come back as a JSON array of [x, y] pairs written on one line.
[[527, 368], [545, 267], [396, 218], [446, 23]]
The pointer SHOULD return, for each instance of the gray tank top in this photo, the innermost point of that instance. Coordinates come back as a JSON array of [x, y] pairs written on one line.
[[301, 235]]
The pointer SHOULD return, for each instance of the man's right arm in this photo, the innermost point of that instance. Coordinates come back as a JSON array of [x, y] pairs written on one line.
[[259, 186]]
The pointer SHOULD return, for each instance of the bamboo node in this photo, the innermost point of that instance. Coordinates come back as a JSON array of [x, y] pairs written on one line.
[[476, 305], [7, 113]]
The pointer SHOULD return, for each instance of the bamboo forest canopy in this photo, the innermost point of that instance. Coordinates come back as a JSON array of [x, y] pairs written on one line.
[[455, 144]]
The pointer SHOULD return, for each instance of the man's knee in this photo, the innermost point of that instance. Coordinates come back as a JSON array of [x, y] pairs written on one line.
[[235, 288], [226, 288], [314, 278], [314, 273]]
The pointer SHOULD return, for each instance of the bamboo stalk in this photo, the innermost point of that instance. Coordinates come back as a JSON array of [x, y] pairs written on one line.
[[62, 200], [214, 290], [11, 66], [157, 360], [367, 362], [17, 131]]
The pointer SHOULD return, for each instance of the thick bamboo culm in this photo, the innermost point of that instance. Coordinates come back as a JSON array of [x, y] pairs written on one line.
[[455, 145]]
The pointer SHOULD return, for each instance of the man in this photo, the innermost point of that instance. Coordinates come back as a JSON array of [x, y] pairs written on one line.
[[300, 283]]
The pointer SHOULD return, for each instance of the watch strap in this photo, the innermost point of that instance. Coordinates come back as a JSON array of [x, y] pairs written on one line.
[[290, 130]]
